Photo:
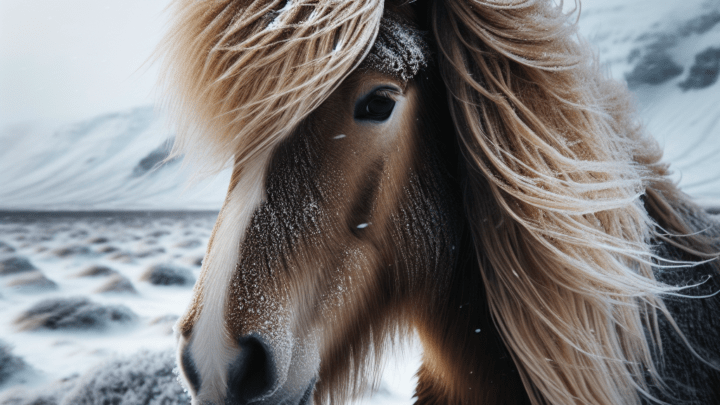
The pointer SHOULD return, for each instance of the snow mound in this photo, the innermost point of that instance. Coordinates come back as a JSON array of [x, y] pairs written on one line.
[[98, 240], [69, 251], [167, 274], [76, 313], [118, 284], [96, 271], [6, 248], [145, 378], [49, 395], [10, 365], [15, 265], [33, 282]]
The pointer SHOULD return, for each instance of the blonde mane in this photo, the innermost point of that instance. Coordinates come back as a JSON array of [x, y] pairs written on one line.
[[557, 165], [242, 74]]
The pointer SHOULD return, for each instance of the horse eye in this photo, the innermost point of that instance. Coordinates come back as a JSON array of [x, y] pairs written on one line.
[[375, 108]]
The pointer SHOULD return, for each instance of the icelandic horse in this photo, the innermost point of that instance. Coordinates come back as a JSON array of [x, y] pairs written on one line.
[[455, 169]]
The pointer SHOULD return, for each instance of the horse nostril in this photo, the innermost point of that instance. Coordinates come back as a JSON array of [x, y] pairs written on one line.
[[252, 375]]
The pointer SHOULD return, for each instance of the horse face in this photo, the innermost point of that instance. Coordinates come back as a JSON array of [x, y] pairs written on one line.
[[331, 254]]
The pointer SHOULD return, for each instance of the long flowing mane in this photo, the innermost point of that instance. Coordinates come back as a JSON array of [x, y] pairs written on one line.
[[567, 257], [560, 177]]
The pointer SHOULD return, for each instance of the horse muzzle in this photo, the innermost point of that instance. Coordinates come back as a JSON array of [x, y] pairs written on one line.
[[253, 378], [256, 372]]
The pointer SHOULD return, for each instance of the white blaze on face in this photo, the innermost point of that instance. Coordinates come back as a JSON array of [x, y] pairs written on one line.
[[210, 346]]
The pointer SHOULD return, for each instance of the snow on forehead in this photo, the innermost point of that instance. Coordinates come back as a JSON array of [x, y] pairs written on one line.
[[399, 50]]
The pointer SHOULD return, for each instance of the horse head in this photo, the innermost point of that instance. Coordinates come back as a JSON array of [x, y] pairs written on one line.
[[459, 170]]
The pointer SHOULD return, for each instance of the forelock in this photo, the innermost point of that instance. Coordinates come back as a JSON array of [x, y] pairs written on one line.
[[400, 49]]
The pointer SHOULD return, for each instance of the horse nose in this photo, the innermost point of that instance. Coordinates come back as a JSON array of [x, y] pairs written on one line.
[[252, 375]]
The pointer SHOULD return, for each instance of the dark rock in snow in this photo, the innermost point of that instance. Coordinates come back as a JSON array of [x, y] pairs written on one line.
[[704, 73], [108, 249], [167, 274], [33, 282], [71, 251], [80, 233], [118, 284], [153, 160], [98, 240], [122, 257], [158, 234], [188, 244], [149, 253], [654, 68], [10, 365], [15, 265], [6, 248], [75, 313], [96, 271], [145, 378]]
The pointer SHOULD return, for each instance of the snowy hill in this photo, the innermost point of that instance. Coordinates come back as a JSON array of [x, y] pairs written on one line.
[[669, 53], [110, 162]]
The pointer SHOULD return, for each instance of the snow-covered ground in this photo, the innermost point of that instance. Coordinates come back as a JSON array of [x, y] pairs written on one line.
[[668, 51], [88, 293], [112, 286]]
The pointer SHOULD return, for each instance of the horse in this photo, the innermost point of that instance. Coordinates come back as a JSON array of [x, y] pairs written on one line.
[[456, 170]]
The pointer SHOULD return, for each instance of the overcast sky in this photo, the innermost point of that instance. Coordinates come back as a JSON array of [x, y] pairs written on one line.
[[66, 60]]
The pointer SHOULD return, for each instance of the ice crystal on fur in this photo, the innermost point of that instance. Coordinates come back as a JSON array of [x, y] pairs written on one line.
[[399, 50]]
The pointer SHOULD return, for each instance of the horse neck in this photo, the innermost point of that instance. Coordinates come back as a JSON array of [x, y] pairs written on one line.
[[465, 360]]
